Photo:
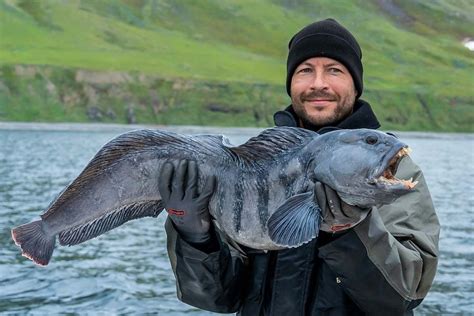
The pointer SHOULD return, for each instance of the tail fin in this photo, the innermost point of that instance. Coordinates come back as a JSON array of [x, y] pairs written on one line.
[[34, 243]]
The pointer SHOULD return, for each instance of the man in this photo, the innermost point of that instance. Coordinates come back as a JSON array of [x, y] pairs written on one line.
[[378, 261]]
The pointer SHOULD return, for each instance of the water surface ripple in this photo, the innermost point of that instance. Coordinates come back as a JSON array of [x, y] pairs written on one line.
[[127, 271]]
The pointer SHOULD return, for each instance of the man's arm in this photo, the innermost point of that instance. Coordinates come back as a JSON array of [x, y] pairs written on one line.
[[387, 263], [208, 272], [210, 281]]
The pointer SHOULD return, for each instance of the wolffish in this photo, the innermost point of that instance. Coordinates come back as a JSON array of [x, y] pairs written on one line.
[[264, 194]]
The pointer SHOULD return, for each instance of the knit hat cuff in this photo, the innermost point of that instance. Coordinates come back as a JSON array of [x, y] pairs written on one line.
[[325, 45]]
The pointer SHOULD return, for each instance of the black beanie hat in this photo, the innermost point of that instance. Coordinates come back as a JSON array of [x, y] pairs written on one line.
[[325, 38]]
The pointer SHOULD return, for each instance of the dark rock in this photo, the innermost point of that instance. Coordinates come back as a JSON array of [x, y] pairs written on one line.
[[223, 109], [111, 114], [94, 113], [131, 119]]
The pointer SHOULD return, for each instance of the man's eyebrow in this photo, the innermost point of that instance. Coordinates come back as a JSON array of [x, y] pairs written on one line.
[[333, 64], [306, 64]]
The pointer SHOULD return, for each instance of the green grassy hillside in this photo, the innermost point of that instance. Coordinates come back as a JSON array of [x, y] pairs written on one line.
[[222, 62]]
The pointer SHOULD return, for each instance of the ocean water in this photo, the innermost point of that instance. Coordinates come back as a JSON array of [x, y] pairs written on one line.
[[127, 270]]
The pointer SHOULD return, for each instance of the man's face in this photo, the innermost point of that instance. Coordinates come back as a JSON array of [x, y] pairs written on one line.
[[322, 91]]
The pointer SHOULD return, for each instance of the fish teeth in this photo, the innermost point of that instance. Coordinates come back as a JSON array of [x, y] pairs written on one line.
[[409, 184], [403, 152]]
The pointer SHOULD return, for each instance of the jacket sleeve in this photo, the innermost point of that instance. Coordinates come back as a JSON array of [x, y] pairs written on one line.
[[387, 263], [209, 281]]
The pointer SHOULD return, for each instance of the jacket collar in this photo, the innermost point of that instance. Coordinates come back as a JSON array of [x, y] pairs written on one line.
[[361, 117]]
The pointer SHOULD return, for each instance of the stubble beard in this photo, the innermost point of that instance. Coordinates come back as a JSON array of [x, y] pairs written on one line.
[[343, 109]]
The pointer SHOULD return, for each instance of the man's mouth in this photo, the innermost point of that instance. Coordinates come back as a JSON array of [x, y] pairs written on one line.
[[319, 101], [387, 176]]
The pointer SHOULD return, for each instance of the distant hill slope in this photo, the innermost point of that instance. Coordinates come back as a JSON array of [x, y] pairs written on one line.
[[222, 62]]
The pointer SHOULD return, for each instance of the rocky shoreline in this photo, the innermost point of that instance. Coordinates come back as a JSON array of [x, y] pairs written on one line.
[[186, 129]]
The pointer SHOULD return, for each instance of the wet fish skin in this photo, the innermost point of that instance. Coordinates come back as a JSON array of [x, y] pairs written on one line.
[[263, 198]]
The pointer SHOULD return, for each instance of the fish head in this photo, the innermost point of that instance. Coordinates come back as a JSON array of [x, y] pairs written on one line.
[[361, 165]]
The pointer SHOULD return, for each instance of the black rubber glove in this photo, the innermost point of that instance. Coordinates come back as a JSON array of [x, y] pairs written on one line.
[[337, 215], [187, 208]]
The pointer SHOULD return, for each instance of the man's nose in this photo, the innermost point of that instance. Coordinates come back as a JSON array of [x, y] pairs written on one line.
[[319, 82]]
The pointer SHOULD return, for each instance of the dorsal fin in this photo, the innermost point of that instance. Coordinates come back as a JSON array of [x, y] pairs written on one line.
[[267, 145], [128, 144], [273, 142], [213, 139]]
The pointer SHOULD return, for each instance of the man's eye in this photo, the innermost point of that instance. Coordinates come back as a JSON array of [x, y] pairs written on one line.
[[304, 70], [335, 70]]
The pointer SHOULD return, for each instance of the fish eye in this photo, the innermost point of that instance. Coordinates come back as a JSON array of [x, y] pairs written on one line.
[[371, 139]]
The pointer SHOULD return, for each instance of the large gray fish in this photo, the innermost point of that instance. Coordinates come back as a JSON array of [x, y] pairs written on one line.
[[264, 194]]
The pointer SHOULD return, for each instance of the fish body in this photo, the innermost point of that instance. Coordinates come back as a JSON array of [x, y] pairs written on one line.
[[264, 195]]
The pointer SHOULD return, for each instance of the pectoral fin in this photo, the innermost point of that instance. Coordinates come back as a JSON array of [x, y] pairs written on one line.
[[295, 222]]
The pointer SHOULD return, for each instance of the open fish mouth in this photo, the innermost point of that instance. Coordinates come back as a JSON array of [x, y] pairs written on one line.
[[386, 177]]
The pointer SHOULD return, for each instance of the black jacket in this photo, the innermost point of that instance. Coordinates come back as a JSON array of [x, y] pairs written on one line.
[[334, 275]]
